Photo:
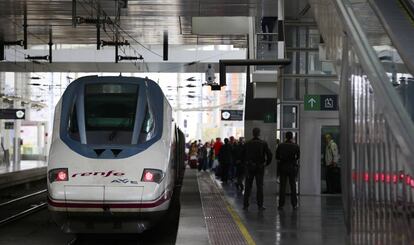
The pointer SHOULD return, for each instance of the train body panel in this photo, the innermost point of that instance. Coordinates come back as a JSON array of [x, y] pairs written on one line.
[[124, 176]]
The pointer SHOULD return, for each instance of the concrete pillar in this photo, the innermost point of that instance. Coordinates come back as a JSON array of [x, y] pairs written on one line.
[[40, 138], [18, 92], [280, 28], [47, 139], [254, 116]]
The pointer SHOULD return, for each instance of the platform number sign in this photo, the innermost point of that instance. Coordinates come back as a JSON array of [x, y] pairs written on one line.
[[231, 115], [12, 114], [321, 102]]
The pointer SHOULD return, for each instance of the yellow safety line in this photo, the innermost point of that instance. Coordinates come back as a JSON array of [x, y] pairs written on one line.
[[240, 224]]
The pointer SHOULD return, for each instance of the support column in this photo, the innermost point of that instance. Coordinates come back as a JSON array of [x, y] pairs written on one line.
[[280, 29], [40, 139], [47, 139], [18, 91], [2, 130]]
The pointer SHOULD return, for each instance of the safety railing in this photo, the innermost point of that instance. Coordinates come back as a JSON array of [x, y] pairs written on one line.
[[377, 150]]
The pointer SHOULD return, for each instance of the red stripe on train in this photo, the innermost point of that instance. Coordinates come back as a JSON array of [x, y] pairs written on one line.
[[109, 205]]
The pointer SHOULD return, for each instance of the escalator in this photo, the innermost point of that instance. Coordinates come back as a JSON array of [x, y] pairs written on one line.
[[397, 18], [375, 113]]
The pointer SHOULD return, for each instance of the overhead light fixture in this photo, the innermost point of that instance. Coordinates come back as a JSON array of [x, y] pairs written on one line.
[[120, 57], [35, 78], [191, 79], [191, 86]]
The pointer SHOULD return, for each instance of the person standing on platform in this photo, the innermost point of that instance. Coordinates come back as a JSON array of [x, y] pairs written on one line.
[[288, 154], [202, 157], [225, 159], [332, 169], [216, 149], [257, 154], [240, 163]]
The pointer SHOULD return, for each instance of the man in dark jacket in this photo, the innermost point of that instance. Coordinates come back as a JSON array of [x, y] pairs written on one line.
[[238, 158], [225, 159], [288, 155], [257, 153]]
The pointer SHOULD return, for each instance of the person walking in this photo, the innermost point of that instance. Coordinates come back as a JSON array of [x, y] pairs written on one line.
[[288, 154], [257, 154]]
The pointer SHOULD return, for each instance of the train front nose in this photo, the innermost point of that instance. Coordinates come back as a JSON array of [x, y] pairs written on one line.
[[91, 209], [103, 194]]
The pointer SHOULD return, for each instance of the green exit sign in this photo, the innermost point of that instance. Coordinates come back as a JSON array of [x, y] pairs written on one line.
[[321, 102], [269, 117], [312, 103]]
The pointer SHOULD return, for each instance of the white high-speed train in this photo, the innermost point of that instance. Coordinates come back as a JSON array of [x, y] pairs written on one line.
[[116, 157]]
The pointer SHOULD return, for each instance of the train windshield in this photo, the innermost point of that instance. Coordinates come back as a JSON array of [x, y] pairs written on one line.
[[110, 113]]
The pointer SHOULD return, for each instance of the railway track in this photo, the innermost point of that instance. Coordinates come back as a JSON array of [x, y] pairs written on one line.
[[22, 206]]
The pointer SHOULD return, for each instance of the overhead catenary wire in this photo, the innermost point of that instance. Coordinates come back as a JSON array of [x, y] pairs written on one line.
[[46, 41], [114, 30], [121, 29]]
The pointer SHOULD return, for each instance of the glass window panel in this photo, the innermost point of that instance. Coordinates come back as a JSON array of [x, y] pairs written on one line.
[[290, 36], [147, 129], [290, 88], [318, 86], [314, 38], [290, 116], [303, 36], [73, 128]]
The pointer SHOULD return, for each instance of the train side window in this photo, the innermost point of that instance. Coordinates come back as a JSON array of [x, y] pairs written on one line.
[[73, 128], [147, 126]]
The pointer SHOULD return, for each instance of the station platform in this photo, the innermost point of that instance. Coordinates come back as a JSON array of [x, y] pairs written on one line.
[[210, 213], [319, 219], [25, 171]]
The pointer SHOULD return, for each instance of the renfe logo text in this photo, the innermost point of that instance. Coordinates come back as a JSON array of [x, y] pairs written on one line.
[[104, 174]]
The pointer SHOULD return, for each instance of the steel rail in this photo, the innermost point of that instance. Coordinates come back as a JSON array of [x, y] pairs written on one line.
[[73, 241], [22, 198], [23, 213]]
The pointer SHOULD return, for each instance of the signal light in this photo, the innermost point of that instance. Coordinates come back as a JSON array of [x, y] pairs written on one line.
[[148, 176], [376, 177], [58, 174], [388, 178], [62, 176], [395, 179], [366, 177], [408, 179], [152, 175]]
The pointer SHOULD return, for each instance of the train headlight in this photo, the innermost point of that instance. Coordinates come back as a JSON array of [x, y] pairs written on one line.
[[152, 175], [58, 174]]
